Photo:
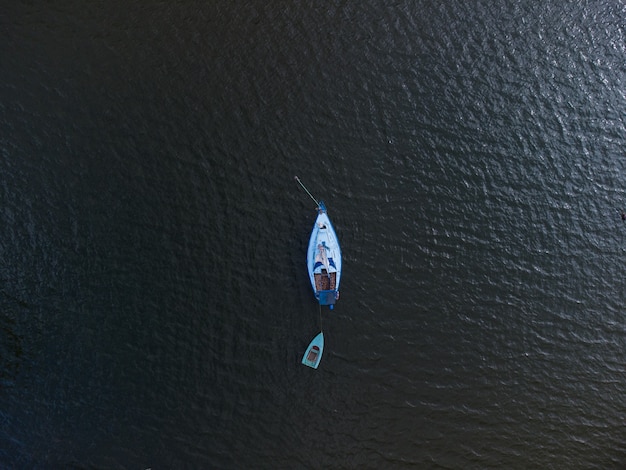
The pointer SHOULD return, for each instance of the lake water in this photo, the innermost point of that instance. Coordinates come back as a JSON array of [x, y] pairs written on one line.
[[155, 303]]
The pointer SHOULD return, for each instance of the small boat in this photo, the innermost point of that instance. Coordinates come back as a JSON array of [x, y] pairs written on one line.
[[323, 259], [313, 354]]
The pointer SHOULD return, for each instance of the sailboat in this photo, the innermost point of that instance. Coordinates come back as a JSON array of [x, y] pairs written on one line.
[[323, 259]]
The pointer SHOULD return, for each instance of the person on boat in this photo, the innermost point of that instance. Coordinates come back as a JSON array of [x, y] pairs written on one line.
[[321, 256]]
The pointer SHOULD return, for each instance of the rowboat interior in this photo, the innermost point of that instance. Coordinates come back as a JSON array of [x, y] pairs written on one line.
[[312, 356]]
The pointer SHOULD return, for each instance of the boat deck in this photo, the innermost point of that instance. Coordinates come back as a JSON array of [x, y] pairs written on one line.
[[324, 282]]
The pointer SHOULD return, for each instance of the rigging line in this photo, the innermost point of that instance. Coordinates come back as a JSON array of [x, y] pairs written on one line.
[[321, 329], [307, 191]]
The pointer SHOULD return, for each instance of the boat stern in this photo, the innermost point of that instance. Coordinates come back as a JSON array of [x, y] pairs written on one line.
[[328, 297]]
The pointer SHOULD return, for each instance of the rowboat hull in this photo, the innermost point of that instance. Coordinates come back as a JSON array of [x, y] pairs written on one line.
[[313, 354], [324, 259]]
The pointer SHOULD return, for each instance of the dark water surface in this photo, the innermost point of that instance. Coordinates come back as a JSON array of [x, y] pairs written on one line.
[[154, 300]]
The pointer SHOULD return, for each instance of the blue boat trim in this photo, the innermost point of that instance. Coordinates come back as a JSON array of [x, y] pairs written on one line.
[[319, 263]]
